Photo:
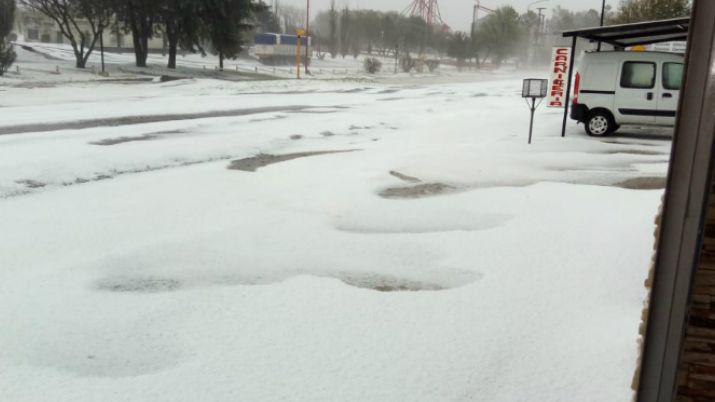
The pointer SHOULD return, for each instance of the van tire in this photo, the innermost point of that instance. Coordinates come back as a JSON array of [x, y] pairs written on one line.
[[600, 123]]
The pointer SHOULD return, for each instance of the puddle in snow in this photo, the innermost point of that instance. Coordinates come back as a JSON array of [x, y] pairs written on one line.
[[31, 183], [404, 177], [632, 152], [643, 183], [418, 191], [122, 140], [384, 283], [256, 162], [442, 279], [397, 222], [645, 144], [137, 284]]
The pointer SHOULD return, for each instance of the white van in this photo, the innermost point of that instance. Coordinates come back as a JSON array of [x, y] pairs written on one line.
[[626, 88]]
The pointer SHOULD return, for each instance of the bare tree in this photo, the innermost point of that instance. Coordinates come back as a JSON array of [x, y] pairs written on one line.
[[80, 21]]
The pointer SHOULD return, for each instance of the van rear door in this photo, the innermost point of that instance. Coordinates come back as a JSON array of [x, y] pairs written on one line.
[[671, 80], [636, 101]]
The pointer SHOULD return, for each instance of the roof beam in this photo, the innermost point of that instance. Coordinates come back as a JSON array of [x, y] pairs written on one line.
[[683, 22]]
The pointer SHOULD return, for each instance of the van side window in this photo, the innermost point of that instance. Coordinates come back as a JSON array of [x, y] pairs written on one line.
[[672, 76], [638, 74]]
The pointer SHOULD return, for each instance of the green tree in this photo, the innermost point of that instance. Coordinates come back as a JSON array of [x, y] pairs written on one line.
[[650, 10], [500, 33], [458, 46], [415, 33], [7, 18], [564, 20], [177, 18], [224, 22], [390, 35], [266, 18]]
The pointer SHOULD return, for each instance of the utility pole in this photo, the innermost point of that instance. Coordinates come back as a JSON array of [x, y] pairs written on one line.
[[603, 15], [476, 15], [474, 21], [540, 28]]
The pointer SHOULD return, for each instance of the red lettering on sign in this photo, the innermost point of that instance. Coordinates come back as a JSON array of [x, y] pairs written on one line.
[[559, 71]]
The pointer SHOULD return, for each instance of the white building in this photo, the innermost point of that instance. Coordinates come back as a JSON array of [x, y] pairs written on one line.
[[32, 26]]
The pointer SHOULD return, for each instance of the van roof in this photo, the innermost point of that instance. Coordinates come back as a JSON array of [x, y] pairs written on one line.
[[616, 55]]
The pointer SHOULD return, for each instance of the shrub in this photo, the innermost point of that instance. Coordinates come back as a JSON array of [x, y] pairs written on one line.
[[407, 63], [432, 65], [372, 65], [7, 57]]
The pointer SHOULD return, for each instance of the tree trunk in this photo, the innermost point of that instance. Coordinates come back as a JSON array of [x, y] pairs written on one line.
[[140, 36], [140, 61], [220, 61], [172, 37], [80, 61], [172, 53], [145, 49]]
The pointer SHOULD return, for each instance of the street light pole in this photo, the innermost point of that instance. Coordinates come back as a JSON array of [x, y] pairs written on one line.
[[528, 8], [603, 15]]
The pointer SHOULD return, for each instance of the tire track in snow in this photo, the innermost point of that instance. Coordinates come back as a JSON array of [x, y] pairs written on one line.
[[133, 120]]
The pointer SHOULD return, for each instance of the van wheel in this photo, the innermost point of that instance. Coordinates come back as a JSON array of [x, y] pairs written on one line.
[[600, 124]]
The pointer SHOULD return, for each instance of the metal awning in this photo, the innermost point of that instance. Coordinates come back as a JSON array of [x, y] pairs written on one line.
[[623, 36], [641, 33]]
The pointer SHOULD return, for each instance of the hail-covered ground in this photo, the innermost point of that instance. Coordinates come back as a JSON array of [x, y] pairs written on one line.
[[343, 239]]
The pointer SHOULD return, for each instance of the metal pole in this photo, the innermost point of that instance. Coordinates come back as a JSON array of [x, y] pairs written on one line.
[[568, 87], [531, 124], [101, 47], [307, 36], [603, 15], [297, 58]]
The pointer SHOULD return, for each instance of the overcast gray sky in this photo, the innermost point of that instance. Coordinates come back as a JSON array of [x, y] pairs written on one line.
[[456, 13]]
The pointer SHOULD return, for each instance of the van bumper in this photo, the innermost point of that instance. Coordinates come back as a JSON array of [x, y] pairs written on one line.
[[579, 112]]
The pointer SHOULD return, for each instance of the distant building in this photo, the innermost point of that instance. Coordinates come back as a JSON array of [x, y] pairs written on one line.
[[32, 26]]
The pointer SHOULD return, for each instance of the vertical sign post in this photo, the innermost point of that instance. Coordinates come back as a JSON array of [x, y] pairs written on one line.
[[560, 70], [533, 89]]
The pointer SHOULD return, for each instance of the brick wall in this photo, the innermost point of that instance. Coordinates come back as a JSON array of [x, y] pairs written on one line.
[[696, 380]]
